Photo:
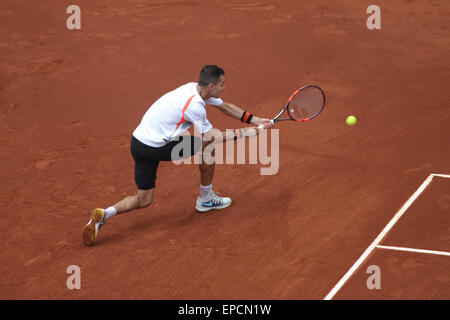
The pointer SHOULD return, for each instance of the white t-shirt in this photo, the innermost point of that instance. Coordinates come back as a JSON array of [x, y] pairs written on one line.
[[173, 114]]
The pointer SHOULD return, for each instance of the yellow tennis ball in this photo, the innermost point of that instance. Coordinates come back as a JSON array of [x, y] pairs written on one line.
[[351, 120]]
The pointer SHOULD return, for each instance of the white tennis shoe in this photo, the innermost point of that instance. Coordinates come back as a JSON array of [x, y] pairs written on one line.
[[214, 202]]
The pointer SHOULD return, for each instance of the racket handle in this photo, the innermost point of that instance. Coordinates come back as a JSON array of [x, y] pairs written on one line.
[[261, 126]]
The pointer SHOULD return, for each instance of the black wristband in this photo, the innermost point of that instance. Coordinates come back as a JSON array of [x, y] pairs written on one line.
[[243, 115], [246, 117]]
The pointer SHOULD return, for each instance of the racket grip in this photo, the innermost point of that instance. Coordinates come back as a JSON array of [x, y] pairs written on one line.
[[261, 126]]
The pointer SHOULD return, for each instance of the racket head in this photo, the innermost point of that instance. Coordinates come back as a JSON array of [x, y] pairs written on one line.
[[306, 103]]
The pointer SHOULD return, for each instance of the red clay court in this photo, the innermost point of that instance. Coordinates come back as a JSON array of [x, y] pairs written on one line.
[[70, 99]]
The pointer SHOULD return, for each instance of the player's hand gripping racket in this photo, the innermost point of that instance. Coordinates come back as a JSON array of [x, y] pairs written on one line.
[[303, 105]]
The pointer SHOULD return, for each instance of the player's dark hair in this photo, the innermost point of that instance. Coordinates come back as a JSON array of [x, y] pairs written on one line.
[[210, 73]]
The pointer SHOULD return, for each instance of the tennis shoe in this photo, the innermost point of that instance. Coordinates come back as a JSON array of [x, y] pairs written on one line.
[[90, 231], [214, 202]]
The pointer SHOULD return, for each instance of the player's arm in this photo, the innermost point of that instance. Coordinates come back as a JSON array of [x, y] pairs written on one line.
[[237, 113], [217, 136]]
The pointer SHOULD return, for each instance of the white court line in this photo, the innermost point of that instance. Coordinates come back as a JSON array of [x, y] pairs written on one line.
[[442, 253], [378, 239], [441, 175]]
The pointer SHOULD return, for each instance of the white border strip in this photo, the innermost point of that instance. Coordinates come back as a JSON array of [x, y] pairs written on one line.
[[442, 253], [380, 237]]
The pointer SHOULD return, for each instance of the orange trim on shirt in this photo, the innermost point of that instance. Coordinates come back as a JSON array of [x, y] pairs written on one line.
[[184, 110]]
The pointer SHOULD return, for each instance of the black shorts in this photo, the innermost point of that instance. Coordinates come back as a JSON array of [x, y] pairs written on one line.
[[146, 158]]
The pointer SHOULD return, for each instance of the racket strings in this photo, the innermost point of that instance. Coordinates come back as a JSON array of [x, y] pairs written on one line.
[[306, 104]]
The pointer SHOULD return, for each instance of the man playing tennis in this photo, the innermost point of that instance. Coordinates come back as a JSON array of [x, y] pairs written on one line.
[[160, 131]]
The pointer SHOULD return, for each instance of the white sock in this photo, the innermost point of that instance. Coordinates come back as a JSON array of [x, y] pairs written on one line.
[[205, 192], [111, 211]]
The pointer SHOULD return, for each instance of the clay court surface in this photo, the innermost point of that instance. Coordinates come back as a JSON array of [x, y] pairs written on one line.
[[69, 101]]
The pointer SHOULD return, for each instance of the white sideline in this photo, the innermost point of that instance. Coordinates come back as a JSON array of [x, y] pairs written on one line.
[[442, 253], [380, 237]]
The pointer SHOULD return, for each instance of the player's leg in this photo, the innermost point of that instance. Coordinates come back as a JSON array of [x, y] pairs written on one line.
[[188, 146], [146, 165], [207, 165], [208, 199], [99, 216], [142, 199]]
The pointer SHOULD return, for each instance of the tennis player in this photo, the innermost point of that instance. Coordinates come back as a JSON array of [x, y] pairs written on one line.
[[161, 130]]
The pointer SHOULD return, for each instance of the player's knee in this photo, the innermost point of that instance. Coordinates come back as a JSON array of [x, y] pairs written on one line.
[[145, 200], [208, 159], [207, 165], [143, 203], [207, 141]]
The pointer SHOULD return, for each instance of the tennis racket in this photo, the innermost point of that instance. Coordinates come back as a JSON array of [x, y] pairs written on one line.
[[303, 105]]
